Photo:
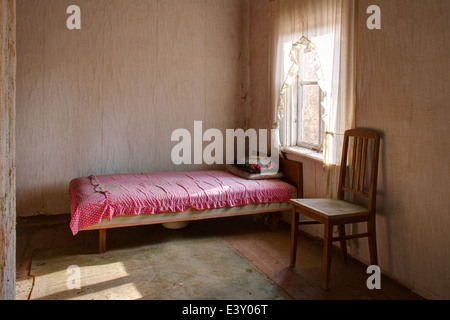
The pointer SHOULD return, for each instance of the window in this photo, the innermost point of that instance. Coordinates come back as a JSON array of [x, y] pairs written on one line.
[[313, 109], [304, 99], [309, 110]]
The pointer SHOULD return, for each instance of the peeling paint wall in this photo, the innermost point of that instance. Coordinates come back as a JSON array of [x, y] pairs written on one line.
[[7, 150], [106, 98]]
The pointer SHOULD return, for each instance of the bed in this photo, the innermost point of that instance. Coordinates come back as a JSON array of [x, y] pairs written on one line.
[[125, 200]]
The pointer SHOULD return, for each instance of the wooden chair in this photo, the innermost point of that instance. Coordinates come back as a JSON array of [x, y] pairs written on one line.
[[339, 212]]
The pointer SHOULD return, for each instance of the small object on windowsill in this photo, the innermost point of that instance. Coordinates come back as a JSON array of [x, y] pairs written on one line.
[[303, 152]]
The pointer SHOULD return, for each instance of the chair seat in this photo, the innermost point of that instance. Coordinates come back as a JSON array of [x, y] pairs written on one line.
[[331, 208]]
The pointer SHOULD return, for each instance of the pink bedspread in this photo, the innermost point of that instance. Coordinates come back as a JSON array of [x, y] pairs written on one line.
[[96, 198]]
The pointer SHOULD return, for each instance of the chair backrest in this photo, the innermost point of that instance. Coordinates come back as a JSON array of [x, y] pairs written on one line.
[[359, 165]]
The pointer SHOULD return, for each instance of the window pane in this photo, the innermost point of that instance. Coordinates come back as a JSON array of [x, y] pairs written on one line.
[[311, 114], [310, 67]]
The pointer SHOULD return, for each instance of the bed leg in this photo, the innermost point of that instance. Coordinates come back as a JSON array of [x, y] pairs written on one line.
[[275, 219], [83, 239], [102, 240]]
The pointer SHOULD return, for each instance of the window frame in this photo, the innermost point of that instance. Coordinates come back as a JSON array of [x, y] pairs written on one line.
[[299, 105]]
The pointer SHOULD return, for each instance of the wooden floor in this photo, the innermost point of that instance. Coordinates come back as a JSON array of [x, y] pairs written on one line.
[[249, 237]]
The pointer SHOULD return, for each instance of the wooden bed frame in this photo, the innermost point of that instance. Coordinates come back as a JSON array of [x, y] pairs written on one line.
[[293, 174]]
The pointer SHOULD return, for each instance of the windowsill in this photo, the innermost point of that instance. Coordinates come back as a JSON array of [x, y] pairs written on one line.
[[303, 152]]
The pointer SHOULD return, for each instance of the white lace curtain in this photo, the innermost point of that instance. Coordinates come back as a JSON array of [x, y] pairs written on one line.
[[326, 26]]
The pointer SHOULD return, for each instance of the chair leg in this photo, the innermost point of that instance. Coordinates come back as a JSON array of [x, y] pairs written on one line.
[[294, 236], [327, 247], [372, 242], [343, 242]]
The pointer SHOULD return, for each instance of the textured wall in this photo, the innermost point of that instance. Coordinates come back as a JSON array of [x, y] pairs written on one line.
[[106, 98], [403, 91], [259, 114]]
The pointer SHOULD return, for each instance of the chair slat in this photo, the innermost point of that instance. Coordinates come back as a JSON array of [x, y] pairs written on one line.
[[352, 163], [357, 192], [363, 168], [358, 163]]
